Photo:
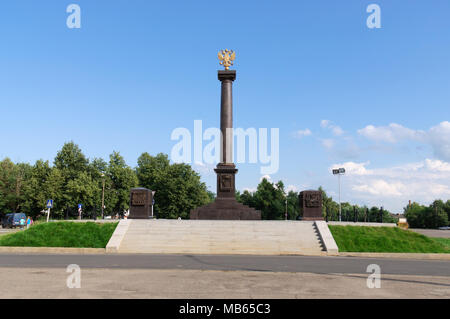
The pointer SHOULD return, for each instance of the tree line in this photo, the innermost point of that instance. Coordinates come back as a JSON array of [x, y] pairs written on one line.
[[74, 179], [275, 203], [435, 215]]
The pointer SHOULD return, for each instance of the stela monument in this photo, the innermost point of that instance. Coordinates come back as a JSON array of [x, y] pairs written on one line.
[[226, 206]]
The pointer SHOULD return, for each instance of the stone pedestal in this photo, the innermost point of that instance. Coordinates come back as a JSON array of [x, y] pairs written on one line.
[[311, 205], [226, 206], [140, 203], [226, 180]]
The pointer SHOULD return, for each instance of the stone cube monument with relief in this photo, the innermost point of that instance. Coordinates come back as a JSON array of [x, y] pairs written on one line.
[[140, 203]]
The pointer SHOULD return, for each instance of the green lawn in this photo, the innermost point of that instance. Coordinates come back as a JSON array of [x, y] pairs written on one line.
[[443, 241], [386, 239], [62, 234]]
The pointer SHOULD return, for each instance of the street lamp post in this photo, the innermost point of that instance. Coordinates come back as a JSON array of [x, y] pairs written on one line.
[[153, 200], [381, 214], [103, 195], [286, 214], [339, 172]]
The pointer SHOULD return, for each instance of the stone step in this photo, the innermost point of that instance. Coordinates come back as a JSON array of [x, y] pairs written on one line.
[[221, 237]]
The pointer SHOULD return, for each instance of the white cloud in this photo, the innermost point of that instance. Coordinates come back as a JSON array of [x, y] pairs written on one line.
[[327, 143], [422, 181], [324, 123], [437, 165], [269, 179], [204, 169], [380, 187], [302, 133], [336, 130], [292, 188], [391, 133], [438, 137]]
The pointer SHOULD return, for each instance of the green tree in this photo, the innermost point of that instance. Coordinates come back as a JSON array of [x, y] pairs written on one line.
[[123, 179], [269, 198], [433, 216], [37, 188], [13, 179], [71, 160], [415, 214], [436, 215], [70, 163], [329, 205], [446, 209], [82, 190], [293, 205], [178, 187]]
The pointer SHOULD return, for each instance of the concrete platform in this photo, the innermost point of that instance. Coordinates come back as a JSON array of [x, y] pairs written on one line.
[[217, 237]]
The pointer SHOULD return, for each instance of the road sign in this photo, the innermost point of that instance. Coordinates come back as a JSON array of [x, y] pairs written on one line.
[[79, 206], [50, 203], [341, 170]]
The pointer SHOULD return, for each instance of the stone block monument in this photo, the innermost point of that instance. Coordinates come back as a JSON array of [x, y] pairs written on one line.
[[311, 205], [226, 206], [140, 203]]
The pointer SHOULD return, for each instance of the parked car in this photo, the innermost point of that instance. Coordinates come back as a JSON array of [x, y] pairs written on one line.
[[5, 220], [13, 220]]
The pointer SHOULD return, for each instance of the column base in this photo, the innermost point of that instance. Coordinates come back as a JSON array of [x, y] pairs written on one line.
[[225, 209]]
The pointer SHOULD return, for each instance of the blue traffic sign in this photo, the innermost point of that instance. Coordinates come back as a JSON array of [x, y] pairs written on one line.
[[79, 206], [50, 203]]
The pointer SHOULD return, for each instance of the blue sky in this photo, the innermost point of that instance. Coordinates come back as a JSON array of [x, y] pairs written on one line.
[[376, 101]]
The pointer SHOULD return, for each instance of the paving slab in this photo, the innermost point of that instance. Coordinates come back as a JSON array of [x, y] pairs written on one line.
[[106, 283]]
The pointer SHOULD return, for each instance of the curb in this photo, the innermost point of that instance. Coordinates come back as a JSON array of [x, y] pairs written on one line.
[[367, 224], [102, 251], [52, 250], [420, 256]]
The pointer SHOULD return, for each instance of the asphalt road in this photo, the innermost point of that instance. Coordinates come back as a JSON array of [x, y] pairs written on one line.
[[432, 232], [301, 264]]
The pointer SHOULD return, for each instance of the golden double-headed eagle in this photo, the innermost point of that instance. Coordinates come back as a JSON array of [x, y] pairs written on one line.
[[226, 58]]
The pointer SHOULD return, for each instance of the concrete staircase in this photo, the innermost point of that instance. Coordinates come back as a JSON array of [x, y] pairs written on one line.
[[219, 237]]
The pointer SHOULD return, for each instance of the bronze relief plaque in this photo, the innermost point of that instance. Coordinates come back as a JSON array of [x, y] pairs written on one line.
[[312, 199], [226, 182], [138, 199]]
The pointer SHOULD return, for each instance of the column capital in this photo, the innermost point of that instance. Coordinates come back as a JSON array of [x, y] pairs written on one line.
[[227, 75]]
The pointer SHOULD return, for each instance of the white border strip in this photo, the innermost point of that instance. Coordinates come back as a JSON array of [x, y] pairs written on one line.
[[326, 237], [117, 237]]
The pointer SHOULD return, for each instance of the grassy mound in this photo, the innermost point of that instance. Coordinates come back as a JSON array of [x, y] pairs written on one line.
[[443, 241], [385, 239], [62, 234]]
